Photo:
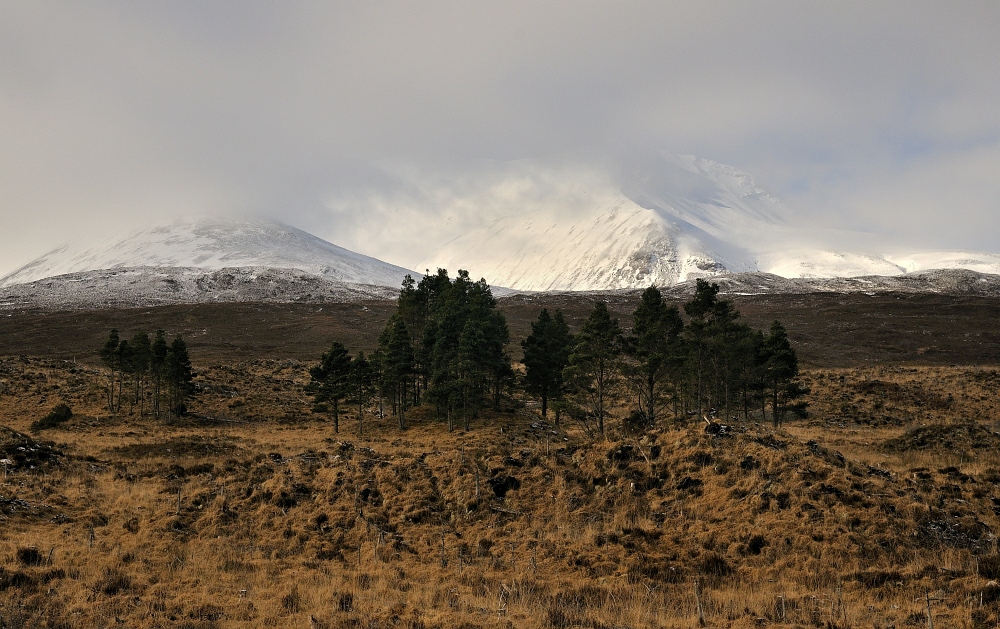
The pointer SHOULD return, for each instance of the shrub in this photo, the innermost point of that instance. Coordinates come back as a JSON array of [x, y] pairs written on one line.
[[30, 556], [113, 582], [60, 414]]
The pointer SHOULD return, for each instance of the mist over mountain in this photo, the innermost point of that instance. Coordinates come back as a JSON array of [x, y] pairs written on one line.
[[648, 218], [659, 219]]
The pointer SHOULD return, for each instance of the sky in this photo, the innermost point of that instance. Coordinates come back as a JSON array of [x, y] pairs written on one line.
[[882, 117]]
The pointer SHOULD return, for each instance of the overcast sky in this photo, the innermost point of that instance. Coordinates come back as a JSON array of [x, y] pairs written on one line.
[[882, 116]]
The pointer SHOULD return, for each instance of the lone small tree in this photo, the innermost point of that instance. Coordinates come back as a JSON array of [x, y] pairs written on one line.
[[330, 380], [781, 368]]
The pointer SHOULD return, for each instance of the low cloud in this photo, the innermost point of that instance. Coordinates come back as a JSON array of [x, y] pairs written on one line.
[[883, 116]]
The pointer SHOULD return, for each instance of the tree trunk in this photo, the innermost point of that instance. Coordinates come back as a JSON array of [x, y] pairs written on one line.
[[361, 428], [774, 407], [402, 406]]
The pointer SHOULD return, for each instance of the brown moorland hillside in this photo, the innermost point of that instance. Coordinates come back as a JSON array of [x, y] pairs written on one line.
[[827, 329], [251, 512]]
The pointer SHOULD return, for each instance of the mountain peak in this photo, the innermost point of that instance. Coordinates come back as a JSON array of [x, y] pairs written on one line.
[[212, 243]]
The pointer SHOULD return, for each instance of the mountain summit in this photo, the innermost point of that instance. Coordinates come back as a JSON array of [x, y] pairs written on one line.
[[659, 219], [213, 243]]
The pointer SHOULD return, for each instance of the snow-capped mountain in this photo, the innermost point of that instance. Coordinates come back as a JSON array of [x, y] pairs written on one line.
[[213, 243], [661, 219]]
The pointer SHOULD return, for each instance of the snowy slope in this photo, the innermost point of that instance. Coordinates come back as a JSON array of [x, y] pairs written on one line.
[[212, 243], [660, 219], [140, 287]]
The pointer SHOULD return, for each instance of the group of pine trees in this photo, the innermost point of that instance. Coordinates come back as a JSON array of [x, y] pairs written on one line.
[[446, 346], [141, 368], [691, 367]]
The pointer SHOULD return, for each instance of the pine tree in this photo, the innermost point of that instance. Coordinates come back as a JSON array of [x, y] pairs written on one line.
[[780, 370], [124, 367], [157, 362], [112, 360], [593, 365], [141, 353], [461, 350], [178, 376], [654, 348], [361, 381], [546, 355], [330, 380], [397, 364]]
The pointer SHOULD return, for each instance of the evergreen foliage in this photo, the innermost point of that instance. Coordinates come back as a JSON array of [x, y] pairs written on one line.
[[655, 351], [546, 355], [709, 360], [459, 362], [178, 376], [446, 346], [157, 359], [330, 380], [781, 367], [147, 364], [594, 363], [361, 383]]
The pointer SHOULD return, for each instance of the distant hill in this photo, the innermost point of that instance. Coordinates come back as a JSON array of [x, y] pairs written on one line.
[[211, 244]]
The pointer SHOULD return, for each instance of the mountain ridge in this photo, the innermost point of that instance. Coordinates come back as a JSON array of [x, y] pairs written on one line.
[[213, 243], [663, 219]]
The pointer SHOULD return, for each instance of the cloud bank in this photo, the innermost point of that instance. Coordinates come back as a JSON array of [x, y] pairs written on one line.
[[337, 117]]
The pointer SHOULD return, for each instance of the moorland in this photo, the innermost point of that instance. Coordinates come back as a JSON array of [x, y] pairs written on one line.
[[880, 509]]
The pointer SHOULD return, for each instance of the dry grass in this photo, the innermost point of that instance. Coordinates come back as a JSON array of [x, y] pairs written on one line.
[[252, 513]]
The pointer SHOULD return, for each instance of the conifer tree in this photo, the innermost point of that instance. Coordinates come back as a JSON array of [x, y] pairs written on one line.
[[178, 376], [141, 353], [781, 368], [361, 378], [330, 380], [397, 364], [654, 348], [111, 358], [462, 357], [593, 364], [124, 367], [157, 362], [546, 355]]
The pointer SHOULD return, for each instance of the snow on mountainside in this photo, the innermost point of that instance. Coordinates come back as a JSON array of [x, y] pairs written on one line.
[[662, 219], [141, 287], [210, 243]]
